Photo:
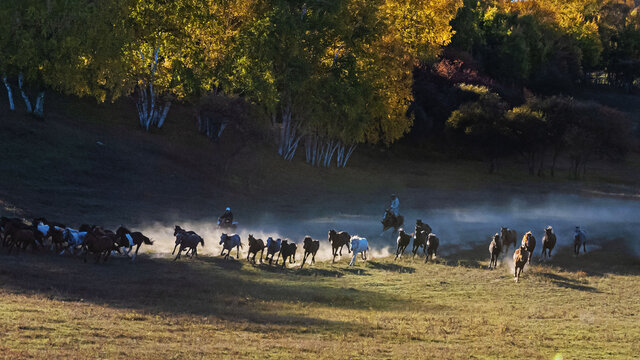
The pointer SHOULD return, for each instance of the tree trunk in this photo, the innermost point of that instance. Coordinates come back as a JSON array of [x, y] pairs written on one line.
[[39, 108], [9, 92], [27, 103]]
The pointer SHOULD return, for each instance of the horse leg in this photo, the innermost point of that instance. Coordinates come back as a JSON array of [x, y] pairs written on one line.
[[304, 258], [313, 258], [584, 245], [278, 258], [238, 252], [133, 258], [179, 252]]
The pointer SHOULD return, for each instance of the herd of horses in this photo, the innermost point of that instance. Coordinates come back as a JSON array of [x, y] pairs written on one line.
[[18, 234]]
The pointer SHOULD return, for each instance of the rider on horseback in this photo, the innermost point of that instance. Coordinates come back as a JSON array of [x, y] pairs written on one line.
[[226, 218], [395, 205]]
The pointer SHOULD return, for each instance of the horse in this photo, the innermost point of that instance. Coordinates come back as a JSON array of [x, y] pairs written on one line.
[[229, 242], [101, 245], [520, 259], [74, 240], [508, 237], [419, 241], [9, 227], [494, 249], [392, 221], [255, 245], [273, 247], [338, 240], [432, 246], [403, 241], [310, 248], [358, 246], [57, 238], [187, 240], [548, 242], [579, 239], [287, 250], [529, 242], [128, 239], [22, 238]]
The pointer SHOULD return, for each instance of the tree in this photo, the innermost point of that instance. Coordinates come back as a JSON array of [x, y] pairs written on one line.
[[334, 74], [529, 131], [481, 125]]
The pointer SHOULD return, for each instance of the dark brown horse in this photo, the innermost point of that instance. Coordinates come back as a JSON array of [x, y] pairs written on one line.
[[338, 240], [310, 248], [403, 241], [548, 242], [432, 246], [419, 241], [100, 244], [273, 247], [392, 221], [186, 240], [494, 249], [255, 245], [21, 239]]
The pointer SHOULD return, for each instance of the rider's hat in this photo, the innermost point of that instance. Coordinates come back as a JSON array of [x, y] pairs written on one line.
[[228, 209]]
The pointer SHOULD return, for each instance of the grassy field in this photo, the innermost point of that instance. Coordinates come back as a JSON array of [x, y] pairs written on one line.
[[577, 308]]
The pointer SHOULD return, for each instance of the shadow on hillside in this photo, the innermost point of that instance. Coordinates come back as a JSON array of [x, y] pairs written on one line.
[[566, 282], [390, 267], [204, 286]]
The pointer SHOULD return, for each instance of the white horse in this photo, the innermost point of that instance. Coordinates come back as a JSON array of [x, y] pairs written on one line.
[[74, 239], [358, 245], [228, 242]]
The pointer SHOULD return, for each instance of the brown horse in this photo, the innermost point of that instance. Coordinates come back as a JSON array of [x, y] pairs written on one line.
[[508, 237], [494, 249], [22, 238], [99, 244], [548, 242], [520, 259], [310, 248], [255, 245], [419, 241], [403, 241], [339, 240], [529, 242], [187, 240]]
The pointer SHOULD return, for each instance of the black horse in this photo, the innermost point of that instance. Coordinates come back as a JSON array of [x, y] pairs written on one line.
[[128, 239], [310, 248], [392, 221]]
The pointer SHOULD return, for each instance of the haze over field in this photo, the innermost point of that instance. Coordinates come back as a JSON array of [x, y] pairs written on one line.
[[459, 226]]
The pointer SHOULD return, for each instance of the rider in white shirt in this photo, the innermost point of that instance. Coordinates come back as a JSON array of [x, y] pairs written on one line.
[[395, 205]]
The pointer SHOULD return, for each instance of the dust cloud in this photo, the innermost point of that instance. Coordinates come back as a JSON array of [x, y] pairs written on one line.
[[462, 225]]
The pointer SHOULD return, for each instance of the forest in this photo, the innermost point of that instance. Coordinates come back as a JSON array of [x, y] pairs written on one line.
[[488, 79]]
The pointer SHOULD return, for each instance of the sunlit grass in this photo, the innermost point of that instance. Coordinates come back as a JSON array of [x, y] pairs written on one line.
[[575, 308]]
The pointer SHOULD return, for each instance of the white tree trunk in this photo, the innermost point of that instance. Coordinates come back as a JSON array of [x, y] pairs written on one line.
[[150, 112], [39, 109], [27, 103], [288, 139], [9, 92]]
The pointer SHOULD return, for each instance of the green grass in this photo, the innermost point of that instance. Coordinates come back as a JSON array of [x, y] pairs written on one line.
[[581, 308]]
